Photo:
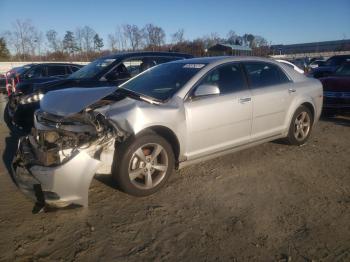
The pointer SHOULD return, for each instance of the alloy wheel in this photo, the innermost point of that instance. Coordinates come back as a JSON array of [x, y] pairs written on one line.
[[302, 126], [148, 166]]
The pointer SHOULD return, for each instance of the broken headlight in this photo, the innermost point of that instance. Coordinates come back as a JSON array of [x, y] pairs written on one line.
[[31, 98]]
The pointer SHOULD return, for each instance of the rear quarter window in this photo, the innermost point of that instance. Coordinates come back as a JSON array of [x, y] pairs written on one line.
[[262, 74]]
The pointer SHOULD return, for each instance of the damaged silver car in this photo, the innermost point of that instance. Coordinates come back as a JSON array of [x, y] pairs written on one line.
[[169, 116]]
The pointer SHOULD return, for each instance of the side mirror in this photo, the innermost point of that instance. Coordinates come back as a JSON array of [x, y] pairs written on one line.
[[27, 76], [206, 90]]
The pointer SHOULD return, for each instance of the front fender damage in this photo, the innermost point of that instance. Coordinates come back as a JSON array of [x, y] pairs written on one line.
[[62, 155]]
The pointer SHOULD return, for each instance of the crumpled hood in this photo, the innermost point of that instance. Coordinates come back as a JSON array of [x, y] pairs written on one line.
[[70, 101]]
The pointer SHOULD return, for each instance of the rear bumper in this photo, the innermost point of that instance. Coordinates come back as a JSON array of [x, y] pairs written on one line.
[[336, 100], [337, 106], [57, 186]]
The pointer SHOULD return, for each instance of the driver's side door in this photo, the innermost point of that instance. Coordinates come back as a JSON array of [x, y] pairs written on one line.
[[219, 122]]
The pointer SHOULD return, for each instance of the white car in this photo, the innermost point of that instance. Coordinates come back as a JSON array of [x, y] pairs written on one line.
[[298, 69], [168, 117]]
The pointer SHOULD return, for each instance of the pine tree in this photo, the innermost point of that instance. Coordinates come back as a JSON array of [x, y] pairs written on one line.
[[98, 42], [69, 43], [4, 52]]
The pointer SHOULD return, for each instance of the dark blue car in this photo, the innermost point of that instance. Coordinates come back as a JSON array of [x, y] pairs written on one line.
[[330, 66], [110, 70]]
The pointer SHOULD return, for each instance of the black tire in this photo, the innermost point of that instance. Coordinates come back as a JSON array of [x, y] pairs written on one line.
[[125, 152], [15, 130], [7, 117], [292, 138]]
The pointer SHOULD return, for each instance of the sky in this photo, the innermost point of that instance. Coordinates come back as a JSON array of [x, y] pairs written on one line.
[[279, 21]]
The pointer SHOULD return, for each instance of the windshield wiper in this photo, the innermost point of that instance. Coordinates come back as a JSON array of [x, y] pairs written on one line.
[[139, 96]]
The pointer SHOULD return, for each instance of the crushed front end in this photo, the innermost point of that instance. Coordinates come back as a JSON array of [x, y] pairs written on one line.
[[57, 161]]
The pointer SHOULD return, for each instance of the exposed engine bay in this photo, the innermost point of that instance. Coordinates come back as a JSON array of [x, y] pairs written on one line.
[[66, 148], [60, 137]]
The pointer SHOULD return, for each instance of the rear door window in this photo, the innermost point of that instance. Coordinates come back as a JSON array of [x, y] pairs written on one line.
[[262, 74], [56, 70]]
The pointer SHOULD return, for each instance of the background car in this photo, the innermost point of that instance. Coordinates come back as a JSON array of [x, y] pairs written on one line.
[[11, 77], [23, 77], [316, 63], [336, 90], [170, 116], [330, 66], [106, 71], [299, 70], [301, 62]]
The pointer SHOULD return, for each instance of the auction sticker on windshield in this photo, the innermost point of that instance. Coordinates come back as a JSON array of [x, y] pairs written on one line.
[[193, 65]]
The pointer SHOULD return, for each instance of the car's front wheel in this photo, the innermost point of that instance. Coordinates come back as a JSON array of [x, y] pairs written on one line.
[[300, 126], [143, 164]]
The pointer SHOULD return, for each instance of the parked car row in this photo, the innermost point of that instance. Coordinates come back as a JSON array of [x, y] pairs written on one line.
[[334, 74], [329, 66], [35, 73], [145, 114], [107, 71]]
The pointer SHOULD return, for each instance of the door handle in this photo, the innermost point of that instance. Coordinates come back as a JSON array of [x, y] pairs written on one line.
[[245, 100], [291, 90]]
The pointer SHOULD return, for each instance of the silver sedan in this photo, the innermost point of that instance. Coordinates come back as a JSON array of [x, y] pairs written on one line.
[[166, 118]]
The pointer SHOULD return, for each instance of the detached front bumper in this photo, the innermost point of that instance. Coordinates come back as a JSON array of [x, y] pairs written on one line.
[[57, 186]]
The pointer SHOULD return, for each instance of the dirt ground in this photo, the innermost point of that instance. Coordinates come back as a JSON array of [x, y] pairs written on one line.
[[269, 203]]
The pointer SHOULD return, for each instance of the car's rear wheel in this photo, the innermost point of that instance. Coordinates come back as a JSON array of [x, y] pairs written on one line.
[[300, 126], [143, 164]]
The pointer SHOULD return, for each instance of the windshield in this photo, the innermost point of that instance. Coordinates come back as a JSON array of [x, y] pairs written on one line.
[[163, 81], [92, 69], [21, 69], [344, 70]]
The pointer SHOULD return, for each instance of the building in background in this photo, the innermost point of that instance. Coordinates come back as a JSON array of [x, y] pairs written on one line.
[[226, 49], [314, 49]]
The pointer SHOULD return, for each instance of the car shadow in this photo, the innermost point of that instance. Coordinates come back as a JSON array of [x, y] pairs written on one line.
[[337, 119], [107, 180], [11, 144]]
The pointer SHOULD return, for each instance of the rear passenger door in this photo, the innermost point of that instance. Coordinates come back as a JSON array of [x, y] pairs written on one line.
[[219, 122], [56, 70], [271, 97]]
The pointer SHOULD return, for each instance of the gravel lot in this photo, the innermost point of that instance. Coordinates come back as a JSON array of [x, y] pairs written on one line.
[[269, 203]]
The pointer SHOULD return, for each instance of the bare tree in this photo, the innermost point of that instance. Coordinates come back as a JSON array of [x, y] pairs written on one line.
[[133, 35], [260, 41], [154, 36], [23, 37], [39, 41], [212, 39], [79, 39], [87, 38], [117, 40], [178, 36], [232, 37], [55, 44], [112, 42]]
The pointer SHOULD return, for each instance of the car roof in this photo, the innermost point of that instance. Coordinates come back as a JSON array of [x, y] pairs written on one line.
[[54, 63], [123, 55], [221, 59]]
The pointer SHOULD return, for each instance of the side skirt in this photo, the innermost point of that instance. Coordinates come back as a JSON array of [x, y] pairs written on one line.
[[228, 151]]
